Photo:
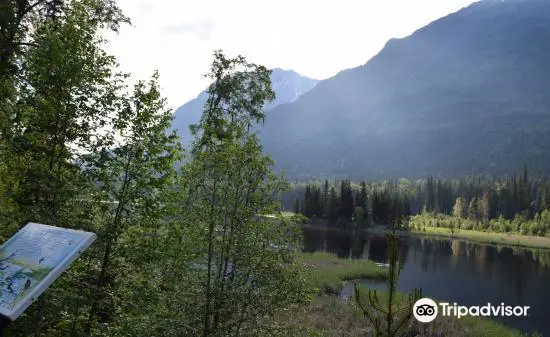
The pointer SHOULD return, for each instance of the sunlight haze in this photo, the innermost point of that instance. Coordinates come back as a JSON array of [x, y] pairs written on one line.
[[314, 38]]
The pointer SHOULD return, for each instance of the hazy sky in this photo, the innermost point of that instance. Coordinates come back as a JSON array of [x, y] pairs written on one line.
[[315, 38]]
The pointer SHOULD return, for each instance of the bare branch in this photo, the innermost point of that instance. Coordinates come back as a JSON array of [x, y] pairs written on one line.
[[27, 44]]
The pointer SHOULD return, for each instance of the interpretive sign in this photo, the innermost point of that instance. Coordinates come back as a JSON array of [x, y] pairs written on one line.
[[32, 259]]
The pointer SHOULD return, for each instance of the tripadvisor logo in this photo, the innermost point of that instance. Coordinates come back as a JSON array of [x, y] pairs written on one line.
[[425, 310]]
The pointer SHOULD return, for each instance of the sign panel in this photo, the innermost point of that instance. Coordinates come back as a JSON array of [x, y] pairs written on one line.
[[32, 259]]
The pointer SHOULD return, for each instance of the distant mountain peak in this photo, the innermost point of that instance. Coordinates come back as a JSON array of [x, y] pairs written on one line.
[[287, 84], [281, 70]]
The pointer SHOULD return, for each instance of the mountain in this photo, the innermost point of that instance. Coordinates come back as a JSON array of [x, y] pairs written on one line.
[[467, 94], [287, 84]]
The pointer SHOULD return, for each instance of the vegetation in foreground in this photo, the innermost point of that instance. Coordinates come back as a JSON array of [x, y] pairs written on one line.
[[326, 315], [179, 252], [388, 315]]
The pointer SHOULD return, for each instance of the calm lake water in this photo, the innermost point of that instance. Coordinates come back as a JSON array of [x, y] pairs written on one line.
[[457, 271]]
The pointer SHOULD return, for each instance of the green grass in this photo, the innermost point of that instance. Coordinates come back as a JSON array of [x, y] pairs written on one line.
[[450, 326], [519, 232], [476, 326], [328, 317], [382, 295], [287, 214], [324, 316], [327, 272], [506, 239]]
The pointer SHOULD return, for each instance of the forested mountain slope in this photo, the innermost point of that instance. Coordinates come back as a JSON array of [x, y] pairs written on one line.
[[466, 94]]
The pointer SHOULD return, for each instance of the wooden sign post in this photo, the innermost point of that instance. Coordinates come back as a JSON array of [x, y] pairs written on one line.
[[31, 260]]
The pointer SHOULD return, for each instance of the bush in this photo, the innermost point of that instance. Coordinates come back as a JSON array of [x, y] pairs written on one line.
[[539, 226], [468, 225]]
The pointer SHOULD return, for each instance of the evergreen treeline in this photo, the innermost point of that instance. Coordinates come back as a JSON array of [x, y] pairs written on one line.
[[475, 198], [363, 204]]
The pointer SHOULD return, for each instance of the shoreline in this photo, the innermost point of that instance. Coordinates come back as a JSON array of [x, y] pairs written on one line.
[[329, 314], [489, 238]]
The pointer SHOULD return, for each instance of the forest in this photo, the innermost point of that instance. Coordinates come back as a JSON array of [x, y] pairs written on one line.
[[180, 252], [517, 203]]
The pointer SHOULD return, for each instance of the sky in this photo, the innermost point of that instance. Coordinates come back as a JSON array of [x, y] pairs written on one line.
[[314, 38]]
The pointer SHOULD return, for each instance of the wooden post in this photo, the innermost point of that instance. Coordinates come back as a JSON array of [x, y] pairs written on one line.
[[4, 323]]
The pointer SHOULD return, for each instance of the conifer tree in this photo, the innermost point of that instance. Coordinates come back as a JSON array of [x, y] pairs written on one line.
[[296, 208], [325, 198], [346, 200], [473, 210], [390, 315], [483, 207], [459, 209], [333, 206]]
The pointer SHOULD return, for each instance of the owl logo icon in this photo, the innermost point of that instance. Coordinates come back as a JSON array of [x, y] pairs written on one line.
[[425, 310]]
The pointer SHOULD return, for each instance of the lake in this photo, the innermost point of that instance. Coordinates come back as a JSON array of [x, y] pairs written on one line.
[[456, 271]]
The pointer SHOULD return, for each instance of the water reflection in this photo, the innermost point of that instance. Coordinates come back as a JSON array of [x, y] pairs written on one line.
[[457, 271]]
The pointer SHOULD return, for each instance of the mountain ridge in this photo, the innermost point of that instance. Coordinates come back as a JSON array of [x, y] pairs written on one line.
[[464, 94]]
